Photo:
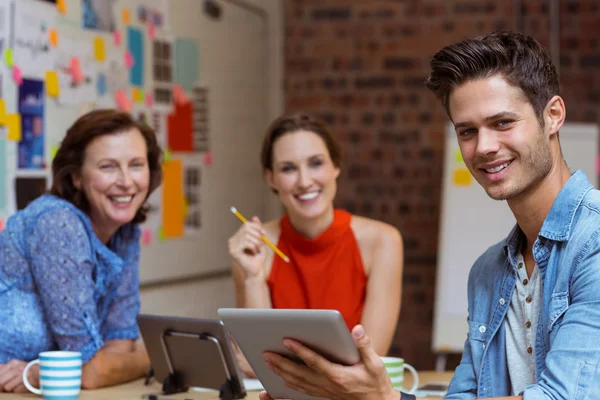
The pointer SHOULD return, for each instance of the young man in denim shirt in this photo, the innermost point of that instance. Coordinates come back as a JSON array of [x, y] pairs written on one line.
[[534, 298]]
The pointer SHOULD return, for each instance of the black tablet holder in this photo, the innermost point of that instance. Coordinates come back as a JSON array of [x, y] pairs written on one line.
[[175, 382]]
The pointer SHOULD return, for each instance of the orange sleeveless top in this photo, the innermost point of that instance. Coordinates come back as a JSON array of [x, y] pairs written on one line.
[[326, 272]]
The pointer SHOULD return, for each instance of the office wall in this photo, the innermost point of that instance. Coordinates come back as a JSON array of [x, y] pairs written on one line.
[[201, 297], [362, 65]]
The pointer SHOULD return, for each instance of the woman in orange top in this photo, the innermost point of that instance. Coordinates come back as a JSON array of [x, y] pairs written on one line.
[[337, 260]]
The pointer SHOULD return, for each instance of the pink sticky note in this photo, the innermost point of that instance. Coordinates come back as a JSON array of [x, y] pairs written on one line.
[[179, 95], [129, 61], [123, 103], [151, 30], [208, 159], [1, 225], [17, 75], [117, 37], [146, 237], [76, 70], [149, 99]]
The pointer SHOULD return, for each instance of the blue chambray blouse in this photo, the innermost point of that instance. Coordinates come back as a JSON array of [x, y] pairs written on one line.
[[60, 286]]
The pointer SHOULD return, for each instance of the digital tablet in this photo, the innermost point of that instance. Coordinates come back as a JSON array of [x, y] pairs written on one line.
[[198, 350], [259, 330]]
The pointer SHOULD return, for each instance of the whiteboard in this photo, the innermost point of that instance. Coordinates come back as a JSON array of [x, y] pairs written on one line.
[[233, 64], [471, 222]]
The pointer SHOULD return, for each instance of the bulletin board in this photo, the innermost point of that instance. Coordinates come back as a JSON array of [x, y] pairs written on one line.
[[199, 80]]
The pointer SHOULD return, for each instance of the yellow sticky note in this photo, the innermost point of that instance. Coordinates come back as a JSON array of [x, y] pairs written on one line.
[[13, 127], [458, 156], [173, 198], [185, 207], [8, 57], [2, 112], [99, 52], [61, 5], [462, 177], [53, 151], [126, 16], [167, 155], [140, 98], [53, 37], [52, 88]]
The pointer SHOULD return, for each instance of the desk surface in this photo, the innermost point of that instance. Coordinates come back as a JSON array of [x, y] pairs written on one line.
[[134, 390]]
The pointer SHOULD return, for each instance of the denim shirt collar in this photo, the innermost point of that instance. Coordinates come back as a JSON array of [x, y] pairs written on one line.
[[557, 225]]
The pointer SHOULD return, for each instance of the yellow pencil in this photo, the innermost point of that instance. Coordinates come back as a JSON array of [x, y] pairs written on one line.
[[263, 237]]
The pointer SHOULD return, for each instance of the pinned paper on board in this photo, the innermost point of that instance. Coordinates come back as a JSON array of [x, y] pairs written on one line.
[[173, 199], [192, 184], [101, 84], [52, 87], [53, 34], [123, 102], [2, 115], [53, 151], [13, 127], [458, 156], [126, 16], [33, 52], [149, 99], [186, 63], [146, 237], [180, 128], [61, 6], [77, 72], [462, 177], [117, 37], [201, 136], [31, 110], [135, 46], [98, 14], [17, 75], [9, 57], [99, 51]]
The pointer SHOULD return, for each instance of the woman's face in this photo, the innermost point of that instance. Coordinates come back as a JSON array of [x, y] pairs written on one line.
[[115, 177], [303, 174]]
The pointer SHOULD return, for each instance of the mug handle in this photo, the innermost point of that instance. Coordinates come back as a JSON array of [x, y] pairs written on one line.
[[415, 376], [26, 382]]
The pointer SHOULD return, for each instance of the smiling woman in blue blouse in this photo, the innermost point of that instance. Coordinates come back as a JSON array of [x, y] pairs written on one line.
[[69, 261]]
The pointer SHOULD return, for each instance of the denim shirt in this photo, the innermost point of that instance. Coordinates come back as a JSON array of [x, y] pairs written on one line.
[[60, 286], [567, 345]]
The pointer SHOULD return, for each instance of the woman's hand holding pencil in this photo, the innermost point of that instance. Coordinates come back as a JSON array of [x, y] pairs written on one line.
[[248, 246]]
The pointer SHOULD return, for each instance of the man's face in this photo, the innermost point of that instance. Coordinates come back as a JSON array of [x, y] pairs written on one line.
[[500, 138]]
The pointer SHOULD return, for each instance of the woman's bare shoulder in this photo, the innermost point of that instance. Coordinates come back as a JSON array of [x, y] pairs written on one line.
[[372, 232]]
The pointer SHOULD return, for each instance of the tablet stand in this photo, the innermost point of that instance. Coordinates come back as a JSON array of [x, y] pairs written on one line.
[[175, 381]]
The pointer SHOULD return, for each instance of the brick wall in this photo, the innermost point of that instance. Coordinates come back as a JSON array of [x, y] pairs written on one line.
[[361, 64]]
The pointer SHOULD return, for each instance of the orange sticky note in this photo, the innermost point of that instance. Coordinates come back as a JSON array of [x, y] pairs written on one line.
[[99, 52], [13, 127], [173, 198], [462, 177], [2, 112], [53, 37], [52, 87], [126, 15], [61, 5]]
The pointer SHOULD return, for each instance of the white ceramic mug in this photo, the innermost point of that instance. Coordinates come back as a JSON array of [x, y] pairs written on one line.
[[60, 375], [395, 367]]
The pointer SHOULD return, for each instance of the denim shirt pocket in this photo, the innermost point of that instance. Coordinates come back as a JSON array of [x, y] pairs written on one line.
[[559, 303]]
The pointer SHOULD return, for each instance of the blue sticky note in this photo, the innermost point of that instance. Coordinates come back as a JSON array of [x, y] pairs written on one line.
[[101, 84], [135, 44], [2, 171], [186, 63]]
